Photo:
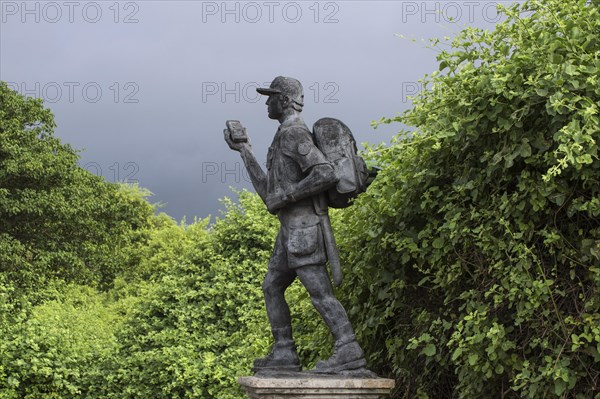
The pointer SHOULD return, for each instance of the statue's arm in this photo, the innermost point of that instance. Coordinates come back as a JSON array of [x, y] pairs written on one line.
[[257, 175], [320, 178]]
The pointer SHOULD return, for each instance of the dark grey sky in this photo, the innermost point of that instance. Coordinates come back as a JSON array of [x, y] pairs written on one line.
[[144, 87]]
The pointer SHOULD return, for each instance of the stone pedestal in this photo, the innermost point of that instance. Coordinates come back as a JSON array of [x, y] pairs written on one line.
[[320, 387]]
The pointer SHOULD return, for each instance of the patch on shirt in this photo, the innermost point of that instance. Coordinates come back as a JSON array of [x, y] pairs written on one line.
[[304, 148]]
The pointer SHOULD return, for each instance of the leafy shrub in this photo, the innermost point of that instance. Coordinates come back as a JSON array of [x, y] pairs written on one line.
[[58, 221], [58, 351], [203, 323], [475, 256]]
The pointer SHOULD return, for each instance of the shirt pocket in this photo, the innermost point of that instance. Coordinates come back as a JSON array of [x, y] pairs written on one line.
[[302, 241]]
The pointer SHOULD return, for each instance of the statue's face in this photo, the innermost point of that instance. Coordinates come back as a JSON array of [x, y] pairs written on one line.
[[275, 106]]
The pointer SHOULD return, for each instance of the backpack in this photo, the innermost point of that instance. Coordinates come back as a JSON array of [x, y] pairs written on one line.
[[336, 142]]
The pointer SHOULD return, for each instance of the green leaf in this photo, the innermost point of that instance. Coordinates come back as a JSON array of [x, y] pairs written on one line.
[[473, 358], [429, 350], [560, 387], [438, 243]]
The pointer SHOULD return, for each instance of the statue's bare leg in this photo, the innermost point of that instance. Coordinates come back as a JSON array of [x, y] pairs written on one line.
[[283, 356], [347, 353]]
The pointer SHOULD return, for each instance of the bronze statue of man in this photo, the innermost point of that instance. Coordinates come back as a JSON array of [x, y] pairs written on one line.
[[297, 174]]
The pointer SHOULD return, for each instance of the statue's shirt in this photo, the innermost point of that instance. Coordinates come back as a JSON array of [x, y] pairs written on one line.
[[289, 160], [291, 155]]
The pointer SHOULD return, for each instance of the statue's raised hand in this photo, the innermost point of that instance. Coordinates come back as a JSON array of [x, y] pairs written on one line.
[[235, 135], [233, 145]]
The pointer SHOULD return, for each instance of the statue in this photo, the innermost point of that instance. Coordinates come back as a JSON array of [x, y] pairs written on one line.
[[295, 188]]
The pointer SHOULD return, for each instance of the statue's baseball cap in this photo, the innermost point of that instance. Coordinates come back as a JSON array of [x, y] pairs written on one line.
[[287, 86]]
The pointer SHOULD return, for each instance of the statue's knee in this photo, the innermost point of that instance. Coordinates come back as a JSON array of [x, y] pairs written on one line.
[[320, 299], [270, 290], [266, 287]]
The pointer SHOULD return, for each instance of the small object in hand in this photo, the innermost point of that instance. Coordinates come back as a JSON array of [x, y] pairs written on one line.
[[237, 132]]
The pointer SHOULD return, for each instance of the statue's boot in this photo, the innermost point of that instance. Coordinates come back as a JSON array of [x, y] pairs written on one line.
[[283, 356], [347, 353]]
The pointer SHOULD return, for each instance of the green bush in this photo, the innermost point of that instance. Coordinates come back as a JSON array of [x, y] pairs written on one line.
[[59, 350], [203, 322], [59, 225], [58, 221], [475, 256]]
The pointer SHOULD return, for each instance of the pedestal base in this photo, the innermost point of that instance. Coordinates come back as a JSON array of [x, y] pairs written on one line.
[[321, 387]]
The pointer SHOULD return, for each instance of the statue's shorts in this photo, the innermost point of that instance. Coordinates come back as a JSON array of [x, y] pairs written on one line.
[[299, 244]]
